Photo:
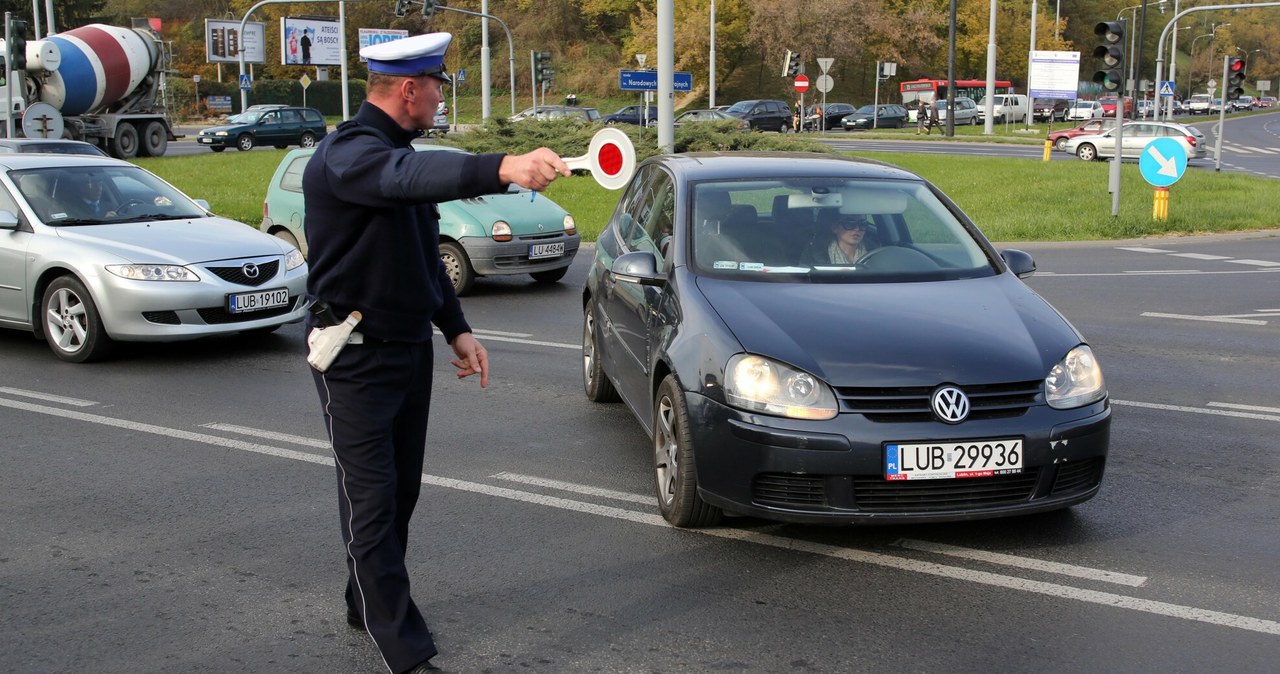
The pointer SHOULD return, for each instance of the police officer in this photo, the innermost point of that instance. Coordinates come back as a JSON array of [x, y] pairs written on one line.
[[373, 231]]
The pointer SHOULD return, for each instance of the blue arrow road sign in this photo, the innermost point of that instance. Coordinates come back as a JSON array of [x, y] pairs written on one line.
[[1163, 162], [647, 80], [246, 81], [1166, 89]]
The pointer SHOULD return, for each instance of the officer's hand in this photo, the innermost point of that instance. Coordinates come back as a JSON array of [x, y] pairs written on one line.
[[534, 170], [472, 358]]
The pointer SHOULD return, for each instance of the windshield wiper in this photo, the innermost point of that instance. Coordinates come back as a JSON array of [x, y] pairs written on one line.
[[74, 221], [155, 216]]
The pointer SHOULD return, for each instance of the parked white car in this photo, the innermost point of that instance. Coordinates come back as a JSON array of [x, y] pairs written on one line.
[[1082, 110], [1135, 139]]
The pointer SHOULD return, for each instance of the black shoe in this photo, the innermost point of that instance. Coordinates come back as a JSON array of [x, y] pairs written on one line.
[[354, 620], [423, 668]]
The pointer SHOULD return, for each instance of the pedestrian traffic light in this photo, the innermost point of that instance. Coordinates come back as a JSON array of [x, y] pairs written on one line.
[[1235, 78], [430, 7], [17, 31], [790, 64], [402, 7], [1111, 71], [797, 65]]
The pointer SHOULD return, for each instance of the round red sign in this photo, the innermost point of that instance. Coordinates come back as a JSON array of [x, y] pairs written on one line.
[[802, 83]]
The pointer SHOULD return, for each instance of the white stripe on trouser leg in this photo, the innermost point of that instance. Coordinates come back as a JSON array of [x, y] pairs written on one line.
[[351, 531]]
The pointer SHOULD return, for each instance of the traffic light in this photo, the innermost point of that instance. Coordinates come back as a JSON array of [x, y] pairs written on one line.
[[797, 65], [1234, 88], [790, 64], [1111, 51], [4, 70], [430, 7], [542, 71], [17, 44], [402, 7]]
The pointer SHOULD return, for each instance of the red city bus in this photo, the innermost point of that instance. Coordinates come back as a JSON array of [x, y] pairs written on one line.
[[934, 90]]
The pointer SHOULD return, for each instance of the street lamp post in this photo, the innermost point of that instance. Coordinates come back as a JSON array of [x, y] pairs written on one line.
[[1191, 66]]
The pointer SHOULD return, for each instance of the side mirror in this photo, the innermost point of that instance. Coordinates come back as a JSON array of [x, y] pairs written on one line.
[[1021, 264], [639, 266], [8, 220]]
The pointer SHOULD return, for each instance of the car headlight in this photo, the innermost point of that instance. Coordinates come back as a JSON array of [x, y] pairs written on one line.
[[219, 133], [570, 227], [1075, 381], [501, 231], [153, 272], [759, 384], [293, 259]]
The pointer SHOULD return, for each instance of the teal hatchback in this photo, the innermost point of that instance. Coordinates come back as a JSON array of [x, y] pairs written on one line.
[[498, 234], [277, 127]]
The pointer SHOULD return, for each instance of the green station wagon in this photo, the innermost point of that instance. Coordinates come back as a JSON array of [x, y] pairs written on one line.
[[498, 234], [277, 127]]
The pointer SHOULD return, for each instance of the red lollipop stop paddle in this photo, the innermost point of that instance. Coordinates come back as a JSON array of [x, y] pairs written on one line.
[[611, 159]]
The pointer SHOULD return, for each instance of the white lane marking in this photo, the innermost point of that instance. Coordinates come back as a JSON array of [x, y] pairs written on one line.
[[1197, 410], [1256, 263], [1210, 319], [574, 488], [1009, 582], [498, 337], [268, 435], [1201, 256], [482, 331], [1025, 562], [1251, 408], [757, 537], [47, 397], [1138, 249]]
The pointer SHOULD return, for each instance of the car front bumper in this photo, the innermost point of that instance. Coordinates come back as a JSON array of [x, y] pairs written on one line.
[[494, 258], [833, 471]]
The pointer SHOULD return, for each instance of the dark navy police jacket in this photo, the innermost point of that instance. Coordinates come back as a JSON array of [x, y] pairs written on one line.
[[373, 231]]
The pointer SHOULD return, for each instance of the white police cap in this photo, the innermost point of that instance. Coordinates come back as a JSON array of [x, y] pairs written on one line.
[[410, 56]]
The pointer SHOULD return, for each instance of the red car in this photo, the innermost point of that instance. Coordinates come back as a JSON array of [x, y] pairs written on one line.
[[1109, 106], [1101, 125]]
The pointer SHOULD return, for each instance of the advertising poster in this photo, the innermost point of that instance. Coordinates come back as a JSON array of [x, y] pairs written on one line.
[[223, 41], [310, 42], [369, 36]]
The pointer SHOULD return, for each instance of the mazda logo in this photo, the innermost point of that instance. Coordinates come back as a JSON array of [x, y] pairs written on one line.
[[250, 270], [950, 404]]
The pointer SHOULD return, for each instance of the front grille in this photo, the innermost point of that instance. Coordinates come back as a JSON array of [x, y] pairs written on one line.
[[911, 403], [1077, 476], [236, 275], [220, 315], [874, 494], [540, 236], [789, 491], [162, 317]]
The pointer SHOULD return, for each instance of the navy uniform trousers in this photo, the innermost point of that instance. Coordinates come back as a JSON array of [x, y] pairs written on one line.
[[375, 399]]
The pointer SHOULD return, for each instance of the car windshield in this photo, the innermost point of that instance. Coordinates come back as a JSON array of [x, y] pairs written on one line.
[[94, 195], [794, 230], [742, 106], [244, 118], [867, 109]]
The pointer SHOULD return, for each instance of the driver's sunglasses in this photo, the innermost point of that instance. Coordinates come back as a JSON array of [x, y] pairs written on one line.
[[853, 224]]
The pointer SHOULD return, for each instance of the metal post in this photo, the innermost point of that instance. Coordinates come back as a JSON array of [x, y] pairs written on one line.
[[875, 106], [8, 81], [711, 76], [1031, 104], [1222, 119], [666, 75], [988, 125]]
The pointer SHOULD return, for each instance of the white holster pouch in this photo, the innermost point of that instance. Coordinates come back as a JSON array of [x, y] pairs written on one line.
[[324, 344]]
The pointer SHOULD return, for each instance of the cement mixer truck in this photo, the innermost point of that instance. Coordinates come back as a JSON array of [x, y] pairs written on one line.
[[97, 83]]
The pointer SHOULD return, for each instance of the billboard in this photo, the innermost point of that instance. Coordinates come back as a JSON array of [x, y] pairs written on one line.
[[314, 42], [223, 42], [369, 36]]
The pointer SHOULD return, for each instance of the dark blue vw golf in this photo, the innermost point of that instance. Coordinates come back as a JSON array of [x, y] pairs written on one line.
[[813, 338]]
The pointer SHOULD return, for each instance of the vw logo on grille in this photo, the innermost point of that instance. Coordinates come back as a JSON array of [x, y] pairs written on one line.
[[250, 270], [950, 404]]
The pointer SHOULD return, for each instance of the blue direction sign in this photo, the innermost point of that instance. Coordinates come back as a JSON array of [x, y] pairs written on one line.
[[647, 80], [1163, 162], [246, 81]]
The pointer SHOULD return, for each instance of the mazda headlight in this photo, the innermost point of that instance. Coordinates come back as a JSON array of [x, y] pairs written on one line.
[[293, 259], [759, 384], [153, 272], [1075, 381]]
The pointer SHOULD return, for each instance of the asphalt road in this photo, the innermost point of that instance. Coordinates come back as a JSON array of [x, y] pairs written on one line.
[[174, 509]]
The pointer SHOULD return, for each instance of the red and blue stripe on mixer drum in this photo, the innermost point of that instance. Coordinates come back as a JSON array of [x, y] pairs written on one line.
[[100, 65]]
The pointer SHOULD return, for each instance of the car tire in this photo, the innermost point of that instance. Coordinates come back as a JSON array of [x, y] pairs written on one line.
[[71, 324], [308, 140], [550, 275], [595, 383], [675, 470], [280, 147], [457, 267], [125, 143], [244, 143], [1060, 144], [218, 148], [1087, 152], [155, 140]]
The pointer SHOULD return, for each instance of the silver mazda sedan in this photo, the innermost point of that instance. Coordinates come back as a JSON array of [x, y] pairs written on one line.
[[96, 250]]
